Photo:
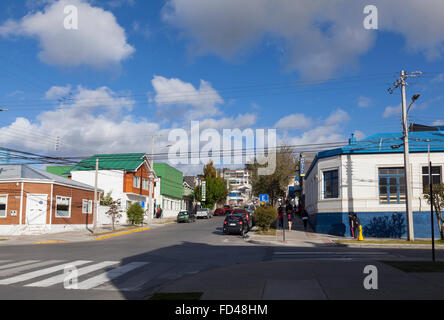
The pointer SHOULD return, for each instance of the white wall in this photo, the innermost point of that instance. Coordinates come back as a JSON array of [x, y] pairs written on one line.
[[359, 182]]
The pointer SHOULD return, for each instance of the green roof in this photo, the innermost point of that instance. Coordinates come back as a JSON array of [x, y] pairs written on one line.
[[61, 171], [118, 161]]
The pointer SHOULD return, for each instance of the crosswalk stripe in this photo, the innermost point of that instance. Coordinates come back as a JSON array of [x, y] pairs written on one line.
[[16, 264], [38, 273], [109, 275], [4, 261], [10, 272], [61, 277]]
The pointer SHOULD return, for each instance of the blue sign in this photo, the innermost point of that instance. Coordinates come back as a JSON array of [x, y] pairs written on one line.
[[302, 167], [263, 198], [142, 204]]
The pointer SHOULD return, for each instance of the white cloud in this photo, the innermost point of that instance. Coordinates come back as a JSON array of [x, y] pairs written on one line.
[[319, 37], [241, 121], [185, 99], [328, 130], [359, 135], [364, 102], [295, 121], [99, 41], [439, 78], [392, 111], [438, 123], [57, 92]]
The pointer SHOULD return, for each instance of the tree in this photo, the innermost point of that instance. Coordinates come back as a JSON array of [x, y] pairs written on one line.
[[106, 200], [438, 204], [114, 211], [216, 189], [276, 184], [135, 213]]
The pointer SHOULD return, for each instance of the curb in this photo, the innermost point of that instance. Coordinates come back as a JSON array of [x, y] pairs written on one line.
[[397, 246], [121, 233]]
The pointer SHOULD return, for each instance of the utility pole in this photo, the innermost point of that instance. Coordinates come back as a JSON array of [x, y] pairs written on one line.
[[431, 206], [96, 211], [151, 185], [401, 82]]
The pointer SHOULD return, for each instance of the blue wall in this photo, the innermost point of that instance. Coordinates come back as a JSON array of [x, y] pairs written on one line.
[[375, 224]]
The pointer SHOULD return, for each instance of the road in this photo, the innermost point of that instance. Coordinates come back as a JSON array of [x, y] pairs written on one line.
[[134, 266]]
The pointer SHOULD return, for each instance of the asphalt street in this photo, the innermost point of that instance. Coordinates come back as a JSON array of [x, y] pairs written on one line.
[[134, 266]]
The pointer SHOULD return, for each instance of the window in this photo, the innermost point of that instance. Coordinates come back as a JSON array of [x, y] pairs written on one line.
[[87, 206], [145, 184], [331, 186], [63, 207], [436, 176], [3, 206], [391, 185], [136, 182]]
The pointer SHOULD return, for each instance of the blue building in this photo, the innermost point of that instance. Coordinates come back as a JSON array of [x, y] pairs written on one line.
[[367, 178]]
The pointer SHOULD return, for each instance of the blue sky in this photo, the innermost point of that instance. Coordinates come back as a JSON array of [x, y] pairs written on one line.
[[136, 68]]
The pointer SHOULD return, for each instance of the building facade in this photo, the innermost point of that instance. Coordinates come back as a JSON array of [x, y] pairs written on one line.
[[33, 201], [239, 185], [367, 178], [128, 177], [169, 194]]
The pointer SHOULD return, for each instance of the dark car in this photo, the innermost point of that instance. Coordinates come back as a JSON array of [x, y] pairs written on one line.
[[246, 215], [219, 212], [186, 216], [235, 223]]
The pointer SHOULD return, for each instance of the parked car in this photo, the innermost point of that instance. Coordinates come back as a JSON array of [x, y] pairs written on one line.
[[235, 223], [247, 217], [226, 208], [204, 213], [186, 216], [219, 212]]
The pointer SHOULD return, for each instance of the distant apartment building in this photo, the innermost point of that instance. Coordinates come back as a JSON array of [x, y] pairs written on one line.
[[239, 184]]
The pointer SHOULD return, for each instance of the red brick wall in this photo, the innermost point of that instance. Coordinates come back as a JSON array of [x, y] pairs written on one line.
[[77, 195]]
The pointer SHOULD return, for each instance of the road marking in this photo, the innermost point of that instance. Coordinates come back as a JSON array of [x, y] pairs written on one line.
[[16, 264], [38, 273], [16, 270], [121, 233], [82, 271], [51, 241], [109, 275]]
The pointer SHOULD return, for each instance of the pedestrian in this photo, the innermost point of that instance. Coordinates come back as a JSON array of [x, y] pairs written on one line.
[[281, 216], [350, 223], [305, 218], [289, 211], [356, 224]]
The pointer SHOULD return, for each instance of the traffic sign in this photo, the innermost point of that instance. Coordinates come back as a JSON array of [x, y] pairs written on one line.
[[204, 190], [263, 198]]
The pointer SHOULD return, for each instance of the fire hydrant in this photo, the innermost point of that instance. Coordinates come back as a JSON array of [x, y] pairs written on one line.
[[360, 237]]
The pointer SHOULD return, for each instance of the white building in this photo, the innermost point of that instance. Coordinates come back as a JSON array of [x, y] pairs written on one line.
[[127, 176], [367, 178], [238, 181]]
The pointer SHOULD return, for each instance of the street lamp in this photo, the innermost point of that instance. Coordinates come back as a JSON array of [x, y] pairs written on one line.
[[414, 98]]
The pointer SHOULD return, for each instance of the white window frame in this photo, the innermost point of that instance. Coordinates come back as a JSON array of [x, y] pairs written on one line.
[[69, 211], [145, 184], [6, 206], [136, 185], [89, 205]]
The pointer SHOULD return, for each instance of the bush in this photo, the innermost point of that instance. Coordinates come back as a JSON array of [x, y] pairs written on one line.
[[265, 216], [135, 213]]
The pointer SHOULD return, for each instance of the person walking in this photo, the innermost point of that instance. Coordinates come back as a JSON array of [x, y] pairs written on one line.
[[289, 211], [350, 223], [305, 218], [281, 216], [356, 224]]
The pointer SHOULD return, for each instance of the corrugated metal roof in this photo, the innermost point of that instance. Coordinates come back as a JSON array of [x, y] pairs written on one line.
[[21, 171], [388, 143], [119, 161]]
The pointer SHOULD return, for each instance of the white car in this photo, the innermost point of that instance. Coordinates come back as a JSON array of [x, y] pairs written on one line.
[[204, 213]]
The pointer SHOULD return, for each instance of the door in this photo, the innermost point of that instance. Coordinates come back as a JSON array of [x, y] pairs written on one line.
[[36, 207]]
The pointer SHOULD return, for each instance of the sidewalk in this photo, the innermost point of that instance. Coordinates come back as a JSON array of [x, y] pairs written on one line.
[[302, 280], [102, 232], [296, 237]]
